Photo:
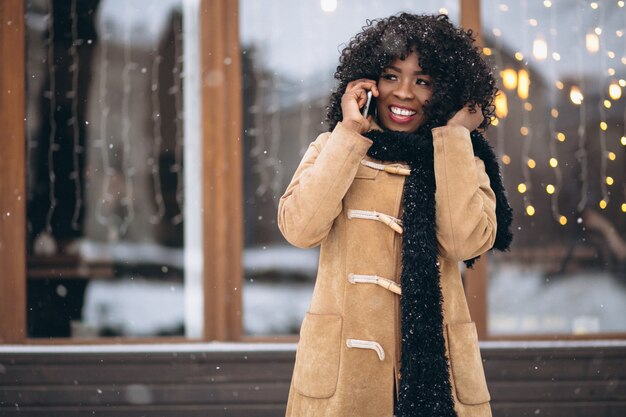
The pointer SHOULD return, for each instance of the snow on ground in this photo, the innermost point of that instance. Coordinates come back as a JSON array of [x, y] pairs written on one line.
[[525, 300]]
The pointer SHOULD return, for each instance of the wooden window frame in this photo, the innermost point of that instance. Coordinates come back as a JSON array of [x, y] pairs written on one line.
[[222, 186]]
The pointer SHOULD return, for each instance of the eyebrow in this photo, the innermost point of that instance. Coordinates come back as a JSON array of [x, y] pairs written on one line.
[[398, 70]]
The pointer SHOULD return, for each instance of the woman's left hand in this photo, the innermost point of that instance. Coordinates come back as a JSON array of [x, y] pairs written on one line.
[[466, 118]]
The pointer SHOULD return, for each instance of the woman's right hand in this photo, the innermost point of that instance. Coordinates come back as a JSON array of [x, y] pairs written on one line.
[[352, 100]]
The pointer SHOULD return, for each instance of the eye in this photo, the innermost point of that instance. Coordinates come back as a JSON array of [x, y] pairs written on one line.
[[389, 77], [423, 81]]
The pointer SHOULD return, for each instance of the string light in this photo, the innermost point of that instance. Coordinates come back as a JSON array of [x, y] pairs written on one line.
[[531, 163], [176, 90], [509, 79], [502, 108], [603, 125], [328, 6], [153, 161], [592, 42], [52, 145], [577, 98], [575, 95], [77, 151], [521, 188], [530, 210], [611, 156], [603, 204], [128, 171], [103, 141], [523, 84], [552, 190], [615, 91], [540, 49], [553, 162]]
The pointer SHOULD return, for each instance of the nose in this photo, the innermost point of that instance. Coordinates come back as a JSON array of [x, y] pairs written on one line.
[[404, 91]]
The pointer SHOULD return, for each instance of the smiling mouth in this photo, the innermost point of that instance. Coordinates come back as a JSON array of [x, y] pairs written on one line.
[[401, 115]]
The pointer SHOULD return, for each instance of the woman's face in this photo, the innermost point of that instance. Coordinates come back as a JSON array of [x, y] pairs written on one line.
[[403, 90]]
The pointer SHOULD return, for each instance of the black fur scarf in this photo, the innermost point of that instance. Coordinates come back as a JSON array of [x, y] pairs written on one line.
[[424, 385]]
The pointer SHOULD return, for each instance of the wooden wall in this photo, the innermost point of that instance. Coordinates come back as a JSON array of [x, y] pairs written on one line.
[[572, 379]]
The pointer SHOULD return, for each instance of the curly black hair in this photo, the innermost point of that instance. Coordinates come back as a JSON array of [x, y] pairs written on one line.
[[460, 74]]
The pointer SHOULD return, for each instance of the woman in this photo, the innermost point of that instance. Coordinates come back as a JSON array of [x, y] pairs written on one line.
[[396, 200]]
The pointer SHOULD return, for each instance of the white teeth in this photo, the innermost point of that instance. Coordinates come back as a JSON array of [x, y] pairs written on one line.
[[402, 112]]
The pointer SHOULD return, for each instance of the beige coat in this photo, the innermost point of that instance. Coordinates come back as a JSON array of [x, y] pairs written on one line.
[[348, 357]]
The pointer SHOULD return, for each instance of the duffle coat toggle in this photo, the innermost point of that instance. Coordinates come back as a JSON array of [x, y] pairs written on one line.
[[392, 222], [375, 279], [367, 344], [391, 169]]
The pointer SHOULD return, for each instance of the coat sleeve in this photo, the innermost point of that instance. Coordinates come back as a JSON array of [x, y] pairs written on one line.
[[465, 202], [313, 199]]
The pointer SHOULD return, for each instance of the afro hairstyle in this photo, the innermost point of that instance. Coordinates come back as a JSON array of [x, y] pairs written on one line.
[[446, 53]]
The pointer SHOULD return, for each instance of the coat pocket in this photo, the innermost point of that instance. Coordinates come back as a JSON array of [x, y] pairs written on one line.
[[466, 364], [317, 358]]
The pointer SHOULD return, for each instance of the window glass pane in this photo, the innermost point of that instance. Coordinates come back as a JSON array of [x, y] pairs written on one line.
[[105, 135], [290, 52], [560, 136]]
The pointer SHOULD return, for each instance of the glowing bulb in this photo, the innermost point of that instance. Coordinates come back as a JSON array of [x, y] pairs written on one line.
[[594, 5], [487, 51], [620, 3], [443, 10], [598, 31], [528, 106], [610, 54], [563, 220], [496, 32], [533, 22], [523, 130], [531, 163], [602, 204], [547, 3], [523, 84], [550, 189], [560, 137], [622, 82], [611, 156], [559, 85], [609, 180], [607, 104], [623, 140], [328, 6], [611, 71], [592, 42], [624, 207], [615, 91], [556, 56], [509, 78], [530, 210], [576, 95], [540, 49], [603, 125], [553, 162], [619, 33], [554, 113], [506, 159], [519, 56], [495, 121], [503, 7], [521, 188], [502, 107]]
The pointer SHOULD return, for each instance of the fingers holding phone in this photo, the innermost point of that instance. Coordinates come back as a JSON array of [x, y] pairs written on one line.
[[356, 104]]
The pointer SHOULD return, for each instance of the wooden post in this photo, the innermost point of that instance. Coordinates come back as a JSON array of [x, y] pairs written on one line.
[[222, 169], [12, 185], [476, 282]]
